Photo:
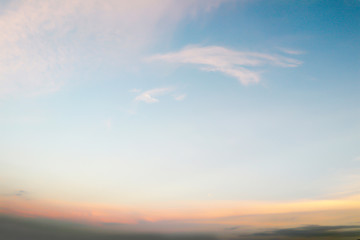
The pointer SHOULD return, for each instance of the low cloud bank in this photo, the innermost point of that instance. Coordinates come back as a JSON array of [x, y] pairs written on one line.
[[16, 228]]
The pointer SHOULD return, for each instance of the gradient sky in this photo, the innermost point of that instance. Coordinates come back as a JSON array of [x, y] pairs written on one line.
[[192, 114]]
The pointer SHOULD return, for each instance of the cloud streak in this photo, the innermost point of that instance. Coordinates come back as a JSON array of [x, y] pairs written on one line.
[[291, 51], [180, 97], [150, 95], [236, 64], [20, 193], [43, 43]]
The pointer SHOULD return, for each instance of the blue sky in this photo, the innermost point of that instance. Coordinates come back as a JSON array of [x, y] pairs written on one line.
[[162, 103]]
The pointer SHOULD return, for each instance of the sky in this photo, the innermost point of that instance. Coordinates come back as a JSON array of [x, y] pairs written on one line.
[[188, 116]]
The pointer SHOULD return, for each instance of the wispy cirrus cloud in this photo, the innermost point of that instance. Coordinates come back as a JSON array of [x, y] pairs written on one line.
[[236, 64], [43, 43], [291, 51], [20, 193], [149, 96], [135, 90], [180, 97]]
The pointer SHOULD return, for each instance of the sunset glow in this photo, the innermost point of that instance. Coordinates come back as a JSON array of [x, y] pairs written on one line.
[[228, 119]]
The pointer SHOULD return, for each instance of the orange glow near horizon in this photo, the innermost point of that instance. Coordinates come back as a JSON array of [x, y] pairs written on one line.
[[215, 212]]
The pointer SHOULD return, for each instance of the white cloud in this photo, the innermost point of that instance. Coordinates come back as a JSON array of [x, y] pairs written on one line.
[[135, 90], [230, 62], [149, 96], [108, 123], [180, 97], [43, 42], [291, 51]]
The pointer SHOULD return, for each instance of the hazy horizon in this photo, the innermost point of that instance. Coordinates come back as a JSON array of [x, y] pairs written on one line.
[[233, 119]]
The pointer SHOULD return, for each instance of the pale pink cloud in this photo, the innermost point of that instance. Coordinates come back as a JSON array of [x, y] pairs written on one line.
[[108, 123], [236, 64], [291, 51], [180, 97], [42, 41], [149, 96]]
